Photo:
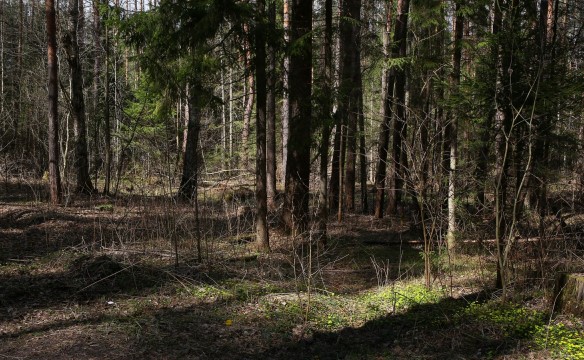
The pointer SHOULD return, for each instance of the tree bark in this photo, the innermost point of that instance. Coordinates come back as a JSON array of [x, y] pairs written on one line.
[[249, 98], [71, 45], [285, 88], [455, 83], [398, 156], [271, 109], [188, 184], [350, 89], [387, 88], [106, 118], [296, 212], [262, 240], [53, 134], [327, 71]]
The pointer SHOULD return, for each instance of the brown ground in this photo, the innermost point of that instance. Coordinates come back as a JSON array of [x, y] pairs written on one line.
[[99, 280]]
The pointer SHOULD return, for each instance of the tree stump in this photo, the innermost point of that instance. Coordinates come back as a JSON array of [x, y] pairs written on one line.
[[569, 293]]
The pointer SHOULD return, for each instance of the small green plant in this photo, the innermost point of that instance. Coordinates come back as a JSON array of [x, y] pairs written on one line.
[[562, 341], [507, 319], [105, 207]]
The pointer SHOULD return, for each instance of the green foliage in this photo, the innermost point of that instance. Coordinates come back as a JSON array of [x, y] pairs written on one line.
[[509, 320], [402, 297], [564, 342]]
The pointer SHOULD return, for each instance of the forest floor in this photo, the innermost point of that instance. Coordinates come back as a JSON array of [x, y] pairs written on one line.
[[120, 278]]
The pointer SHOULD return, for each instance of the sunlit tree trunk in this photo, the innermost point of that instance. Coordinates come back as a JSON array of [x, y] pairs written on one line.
[[453, 133], [285, 88], [327, 71], [387, 87]]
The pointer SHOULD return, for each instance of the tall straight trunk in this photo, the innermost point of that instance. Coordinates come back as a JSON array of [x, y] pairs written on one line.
[[285, 87], [3, 138], [106, 118], [350, 89], [271, 110], [97, 58], [188, 184], [398, 170], [362, 156], [296, 214], [18, 73], [387, 88], [399, 135], [224, 130], [262, 240], [249, 98], [455, 83], [71, 45], [323, 209], [53, 134], [335, 180]]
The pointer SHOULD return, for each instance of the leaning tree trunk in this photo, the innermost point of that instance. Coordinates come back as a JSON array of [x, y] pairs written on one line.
[[71, 45], [53, 134]]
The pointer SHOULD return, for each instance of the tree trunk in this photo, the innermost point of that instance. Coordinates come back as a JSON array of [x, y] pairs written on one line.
[[188, 184], [296, 212], [249, 98], [362, 155], [96, 77], [399, 161], [71, 45], [327, 71], [262, 240], [106, 118], [453, 133], [53, 134], [271, 110], [387, 88], [334, 183], [285, 89], [350, 89]]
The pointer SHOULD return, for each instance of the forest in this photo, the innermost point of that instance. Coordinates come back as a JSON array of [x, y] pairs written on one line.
[[292, 179]]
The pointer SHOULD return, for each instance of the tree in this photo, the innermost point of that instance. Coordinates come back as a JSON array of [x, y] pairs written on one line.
[[326, 118], [350, 90], [458, 32], [53, 134], [262, 241], [271, 108], [71, 46], [394, 86], [296, 212]]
